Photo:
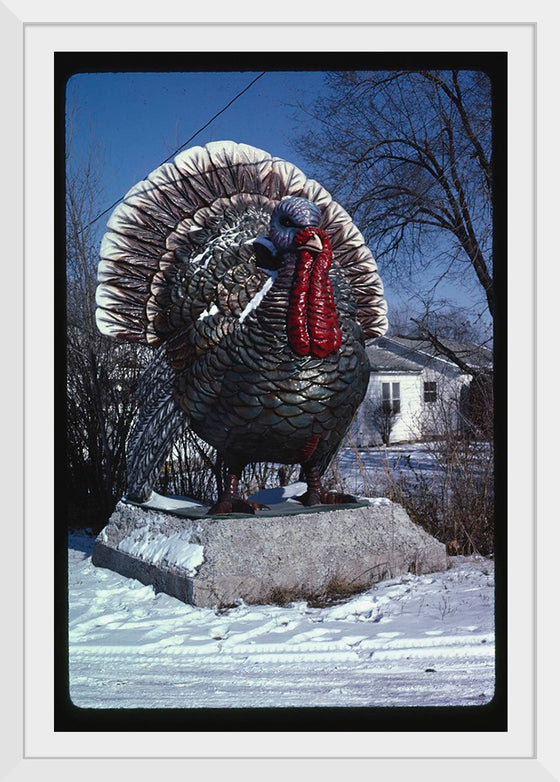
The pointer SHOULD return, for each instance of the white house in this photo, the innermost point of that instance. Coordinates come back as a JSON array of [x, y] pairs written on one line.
[[416, 391]]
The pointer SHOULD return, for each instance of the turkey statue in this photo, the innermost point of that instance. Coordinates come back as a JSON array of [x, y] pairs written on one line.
[[256, 291]]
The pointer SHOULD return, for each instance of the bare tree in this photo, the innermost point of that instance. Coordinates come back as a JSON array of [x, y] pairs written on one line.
[[382, 416], [101, 375], [441, 318], [411, 155]]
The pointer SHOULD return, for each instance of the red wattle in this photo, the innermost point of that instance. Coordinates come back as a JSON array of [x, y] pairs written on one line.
[[313, 327]]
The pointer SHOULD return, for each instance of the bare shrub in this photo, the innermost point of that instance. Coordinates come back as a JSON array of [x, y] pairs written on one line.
[[195, 470], [265, 475], [192, 470], [454, 499], [335, 591], [383, 417], [101, 375], [456, 503]]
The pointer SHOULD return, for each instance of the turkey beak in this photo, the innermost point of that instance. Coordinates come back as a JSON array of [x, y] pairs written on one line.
[[313, 244]]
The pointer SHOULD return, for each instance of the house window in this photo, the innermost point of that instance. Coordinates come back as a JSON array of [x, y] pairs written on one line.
[[430, 391], [391, 397]]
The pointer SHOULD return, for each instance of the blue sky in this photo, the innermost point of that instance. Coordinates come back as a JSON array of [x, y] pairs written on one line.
[[139, 119]]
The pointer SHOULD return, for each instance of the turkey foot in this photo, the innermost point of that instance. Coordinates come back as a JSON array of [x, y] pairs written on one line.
[[230, 501], [316, 495], [325, 498]]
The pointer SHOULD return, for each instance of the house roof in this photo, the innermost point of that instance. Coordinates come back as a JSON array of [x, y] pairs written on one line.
[[386, 361], [475, 356]]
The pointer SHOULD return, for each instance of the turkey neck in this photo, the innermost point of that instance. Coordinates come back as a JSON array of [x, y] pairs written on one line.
[[301, 301]]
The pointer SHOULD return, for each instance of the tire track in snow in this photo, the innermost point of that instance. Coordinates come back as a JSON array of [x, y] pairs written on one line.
[[416, 640]]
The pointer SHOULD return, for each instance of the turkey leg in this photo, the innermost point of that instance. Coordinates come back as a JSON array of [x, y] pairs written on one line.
[[316, 495], [229, 501]]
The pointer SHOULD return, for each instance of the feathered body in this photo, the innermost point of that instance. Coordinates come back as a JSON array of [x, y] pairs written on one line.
[[252, 394], [259, 292]]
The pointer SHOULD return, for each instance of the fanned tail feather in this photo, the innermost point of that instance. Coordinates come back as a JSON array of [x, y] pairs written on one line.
[[159, 413], [169, 217]]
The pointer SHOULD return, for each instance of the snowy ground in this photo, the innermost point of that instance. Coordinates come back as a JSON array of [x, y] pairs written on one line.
[[367, 470], [415, 640]]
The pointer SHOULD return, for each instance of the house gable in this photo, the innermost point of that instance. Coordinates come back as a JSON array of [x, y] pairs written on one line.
[[423, 351], [382, 359], [418, 354]]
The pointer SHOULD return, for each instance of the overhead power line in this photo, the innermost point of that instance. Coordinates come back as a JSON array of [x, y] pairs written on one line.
[[184, 144], [239, 94]]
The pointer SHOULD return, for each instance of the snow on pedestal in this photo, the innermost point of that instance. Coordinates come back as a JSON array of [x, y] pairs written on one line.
[[284, 552]]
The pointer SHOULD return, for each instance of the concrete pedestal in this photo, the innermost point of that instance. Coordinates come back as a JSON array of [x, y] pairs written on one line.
[[267, 558]]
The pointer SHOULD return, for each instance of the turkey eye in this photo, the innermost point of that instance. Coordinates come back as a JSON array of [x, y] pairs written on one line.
[[286, 222]]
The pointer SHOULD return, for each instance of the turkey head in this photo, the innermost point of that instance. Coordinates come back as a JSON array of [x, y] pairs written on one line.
[[295, 240]]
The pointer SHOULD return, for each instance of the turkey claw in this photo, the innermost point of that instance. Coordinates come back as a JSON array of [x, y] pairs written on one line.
[[309, 499], [337, 498]]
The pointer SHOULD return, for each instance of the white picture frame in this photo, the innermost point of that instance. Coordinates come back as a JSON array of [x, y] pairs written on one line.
[[528, 748]]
